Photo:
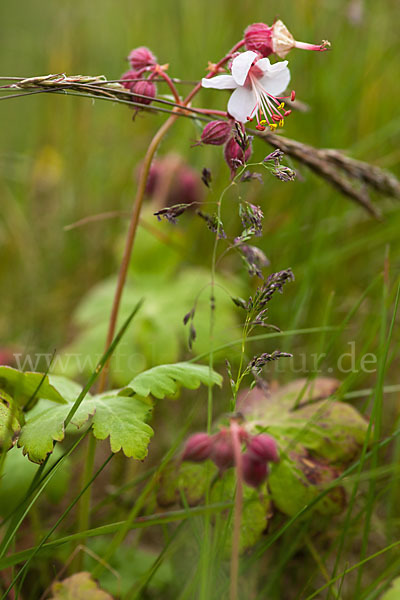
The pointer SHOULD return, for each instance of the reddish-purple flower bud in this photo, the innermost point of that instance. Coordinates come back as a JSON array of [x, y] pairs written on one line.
[[126, 79], [198, 447], [222, 452], [142, 57], [258, 37], [254, 471], [263, 448], [235, 156], [277, 38], [144, 88], [216, 133]]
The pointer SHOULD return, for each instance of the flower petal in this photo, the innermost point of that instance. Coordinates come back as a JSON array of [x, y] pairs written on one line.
[[221, 82], [242, 104], [265, 65], [276, 82], [241, 66]]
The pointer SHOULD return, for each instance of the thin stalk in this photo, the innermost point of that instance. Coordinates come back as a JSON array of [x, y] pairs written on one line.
[[237, 515], [170, 83]]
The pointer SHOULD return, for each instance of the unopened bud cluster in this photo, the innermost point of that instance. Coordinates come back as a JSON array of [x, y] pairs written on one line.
[[138, 79], [260, 450]]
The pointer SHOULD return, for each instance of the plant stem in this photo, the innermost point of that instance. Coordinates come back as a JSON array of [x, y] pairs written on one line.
[[130, 238], [170, 83], [237, 516]]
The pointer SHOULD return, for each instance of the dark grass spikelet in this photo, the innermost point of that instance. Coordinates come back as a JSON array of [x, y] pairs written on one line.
[[256, 365], [257, 305], [254, 259], [206, 177], [172, 212], [188, 318], [284, 173], [251, 217], [251, 176], [214, 224]]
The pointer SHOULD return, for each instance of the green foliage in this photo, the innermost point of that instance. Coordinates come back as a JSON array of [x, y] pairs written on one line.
[[120, 418], [18, 473], [119, 415], [79, 586], [123, 420], [165, 380], [24, 386]]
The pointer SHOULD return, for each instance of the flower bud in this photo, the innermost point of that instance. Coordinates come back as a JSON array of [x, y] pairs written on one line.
[[222, 452], [141, 57], [277, 38], [263, 448], [216, 133], [145, 88], [254, 471], [234, 155], [126, 79], [258, 37], [198, 447]]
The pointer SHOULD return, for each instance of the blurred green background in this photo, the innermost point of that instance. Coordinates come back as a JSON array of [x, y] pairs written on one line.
[[62, 159]]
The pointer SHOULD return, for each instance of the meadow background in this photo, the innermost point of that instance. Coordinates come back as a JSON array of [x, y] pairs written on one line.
[[64, 158]]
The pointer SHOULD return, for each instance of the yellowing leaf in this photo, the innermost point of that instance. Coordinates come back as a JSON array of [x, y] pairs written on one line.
[[79, 586]]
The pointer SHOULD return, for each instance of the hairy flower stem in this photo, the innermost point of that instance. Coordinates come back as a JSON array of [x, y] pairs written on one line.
[[237, 515]]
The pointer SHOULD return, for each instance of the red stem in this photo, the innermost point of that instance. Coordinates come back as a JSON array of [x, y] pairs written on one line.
[[170, 83], [238, 509]]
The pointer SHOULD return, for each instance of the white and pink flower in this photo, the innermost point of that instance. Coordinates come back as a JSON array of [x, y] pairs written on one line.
[[257, 84]]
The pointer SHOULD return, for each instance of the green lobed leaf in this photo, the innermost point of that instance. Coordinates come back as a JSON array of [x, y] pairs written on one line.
[[164, 380], [23, 385], [120, 418], [45, 424], [123, 420]]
